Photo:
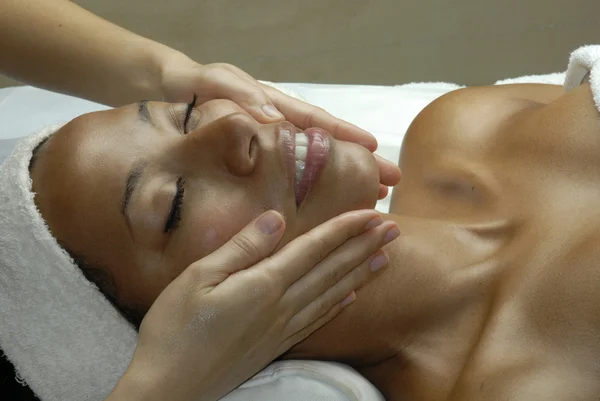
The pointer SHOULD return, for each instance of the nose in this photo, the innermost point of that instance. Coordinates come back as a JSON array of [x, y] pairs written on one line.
[[232, 139]]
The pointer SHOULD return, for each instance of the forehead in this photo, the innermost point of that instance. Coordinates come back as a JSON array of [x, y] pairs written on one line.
[[95, 148], [78, 177], [112, 138]]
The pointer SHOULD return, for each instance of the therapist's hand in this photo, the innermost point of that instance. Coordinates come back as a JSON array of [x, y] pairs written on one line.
[[236, 310], [183, 77]]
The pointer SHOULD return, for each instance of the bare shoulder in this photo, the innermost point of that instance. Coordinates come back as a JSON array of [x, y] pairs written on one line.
[[445, 157], [465, 118]]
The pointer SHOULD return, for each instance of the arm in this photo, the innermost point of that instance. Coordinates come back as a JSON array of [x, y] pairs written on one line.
[[57, 45]]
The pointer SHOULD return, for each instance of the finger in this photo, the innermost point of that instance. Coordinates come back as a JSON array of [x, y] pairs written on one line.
[[383, 191], [389, 173], [310, 328], [340, 262], [247, 93], [305, 116], [239, 72], [299, 257], [255, 242], [337, 297]]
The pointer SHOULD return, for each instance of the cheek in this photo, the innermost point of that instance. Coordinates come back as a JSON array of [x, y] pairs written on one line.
[[212, 226]]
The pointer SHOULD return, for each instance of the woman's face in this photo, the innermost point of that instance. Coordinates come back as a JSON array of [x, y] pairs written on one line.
[[136, 192]]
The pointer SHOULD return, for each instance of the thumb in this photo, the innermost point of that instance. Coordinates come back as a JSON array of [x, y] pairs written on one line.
[[254, 243]]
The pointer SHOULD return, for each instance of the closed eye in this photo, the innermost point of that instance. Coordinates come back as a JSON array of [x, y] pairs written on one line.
[[188, 113], [175, 212]]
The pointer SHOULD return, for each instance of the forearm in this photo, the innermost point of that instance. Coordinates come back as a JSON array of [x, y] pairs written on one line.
[[57, 45]]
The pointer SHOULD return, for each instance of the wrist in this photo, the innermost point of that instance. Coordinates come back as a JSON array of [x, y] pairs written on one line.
[[132, 388], [142, 382], [149, 80], [136, 385], [178, 77]]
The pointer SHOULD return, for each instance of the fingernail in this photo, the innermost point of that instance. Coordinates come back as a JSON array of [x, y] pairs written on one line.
[[269, 223], [373, 223], [271, 111], [378, 262], [392, 234], [348, 300]]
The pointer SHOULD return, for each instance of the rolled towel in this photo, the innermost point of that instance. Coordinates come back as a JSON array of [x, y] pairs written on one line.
[[62, 335], [584, 66]]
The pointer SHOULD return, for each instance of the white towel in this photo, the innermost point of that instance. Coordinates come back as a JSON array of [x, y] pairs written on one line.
[[63, 337], [584, 66]]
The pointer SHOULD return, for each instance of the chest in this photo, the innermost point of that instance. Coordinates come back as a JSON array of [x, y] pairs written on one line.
[[543, 335], [535, 332], [535, 336], [538, 336]]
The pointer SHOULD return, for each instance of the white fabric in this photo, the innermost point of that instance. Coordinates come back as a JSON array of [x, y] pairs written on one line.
[[557, 78], [40, 288], [584, 65], [306, 381], [63, 337], [24, 110]]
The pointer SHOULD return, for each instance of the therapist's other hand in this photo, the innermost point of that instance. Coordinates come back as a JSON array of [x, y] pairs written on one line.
[[183, 77], [236, 310]]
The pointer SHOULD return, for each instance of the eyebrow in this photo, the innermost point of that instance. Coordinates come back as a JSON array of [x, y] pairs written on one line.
[[144, 112], [131, 183]]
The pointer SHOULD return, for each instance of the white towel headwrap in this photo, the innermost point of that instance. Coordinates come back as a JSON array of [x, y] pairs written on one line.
[[61, 334]]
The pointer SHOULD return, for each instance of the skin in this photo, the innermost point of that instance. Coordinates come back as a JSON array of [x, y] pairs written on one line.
[[234, 170], [492, 291]]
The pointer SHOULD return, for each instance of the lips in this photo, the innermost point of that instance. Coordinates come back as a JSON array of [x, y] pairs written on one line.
[[304, 170], [317, 153]]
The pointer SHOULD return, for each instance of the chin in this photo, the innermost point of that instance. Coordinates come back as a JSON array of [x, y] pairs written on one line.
[[349, 182], [358, 177]]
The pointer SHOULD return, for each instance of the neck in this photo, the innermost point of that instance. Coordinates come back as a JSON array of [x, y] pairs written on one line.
[[440, 294], [422, 315]]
